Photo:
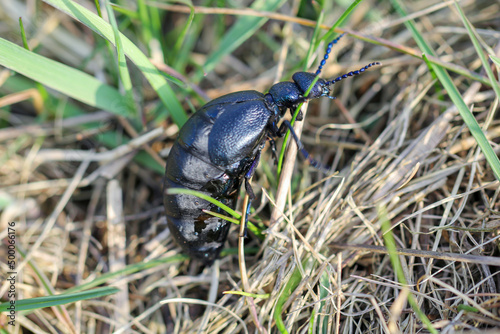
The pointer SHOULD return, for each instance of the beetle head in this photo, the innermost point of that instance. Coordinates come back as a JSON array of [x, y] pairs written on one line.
[[304, 79], [288, 95]]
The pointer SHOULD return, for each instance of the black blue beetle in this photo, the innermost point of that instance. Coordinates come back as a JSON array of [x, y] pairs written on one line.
[[219, 147]]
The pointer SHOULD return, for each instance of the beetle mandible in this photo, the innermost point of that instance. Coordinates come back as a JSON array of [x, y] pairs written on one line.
[[219, 147]]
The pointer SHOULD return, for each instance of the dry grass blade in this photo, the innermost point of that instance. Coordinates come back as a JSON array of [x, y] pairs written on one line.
[[117, 241], [488, 260]]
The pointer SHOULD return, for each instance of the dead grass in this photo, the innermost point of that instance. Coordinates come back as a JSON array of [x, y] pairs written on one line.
[[393, 136]]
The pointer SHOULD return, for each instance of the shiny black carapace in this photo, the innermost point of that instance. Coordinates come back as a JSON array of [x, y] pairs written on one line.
[[219, 147]]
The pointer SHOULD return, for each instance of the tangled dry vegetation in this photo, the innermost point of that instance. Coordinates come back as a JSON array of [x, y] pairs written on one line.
[[398, 145]]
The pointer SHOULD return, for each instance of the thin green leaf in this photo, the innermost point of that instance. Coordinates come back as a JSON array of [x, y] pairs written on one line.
[[156, 24], [495, 59], [176, 191], [23, 34], [254, 229], [286, 292], [314, 41], [122, 62], [246, 294], [44, 281], [65, 79], [390, 244], [467, 308], [329, 35], [182, 36], [227, 218], [127, 12], [182, 57], [479, 50], [98, 7], [323, 293], [236, 215], [145, 21], [110, 139], [128, 270], [65, 298], [312, 320]]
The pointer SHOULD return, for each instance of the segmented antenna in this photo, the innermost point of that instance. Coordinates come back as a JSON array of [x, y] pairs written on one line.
[[352, 73], [328, 50]]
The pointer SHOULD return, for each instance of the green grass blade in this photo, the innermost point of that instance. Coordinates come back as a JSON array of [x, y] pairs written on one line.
[[23, 34], [183, 34], [155, 78], [122, 62], [173, 191], [479, 51], [98, 8], [287, 291], [455, 96], [142, 9], [314, 42], [127, 12], [176, 191], [329, 35], [246, 294], [496, 60], [65, 298], [281, 157], [390, 244], [254, 229], [65, 79], [245, 27], [218, 215], [128, 270]]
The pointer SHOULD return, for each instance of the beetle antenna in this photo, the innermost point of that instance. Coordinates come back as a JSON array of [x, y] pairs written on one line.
[[302, 149], [352, 73], [327, 53]]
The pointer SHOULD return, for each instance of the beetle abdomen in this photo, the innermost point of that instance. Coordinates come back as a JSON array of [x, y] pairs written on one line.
[[200, 235]]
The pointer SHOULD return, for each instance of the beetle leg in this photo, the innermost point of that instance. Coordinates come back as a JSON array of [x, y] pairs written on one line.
[[282, 130], [248, 187], [249, 190], [302, 149], [273, 149], [273, 129], [251, 197]]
